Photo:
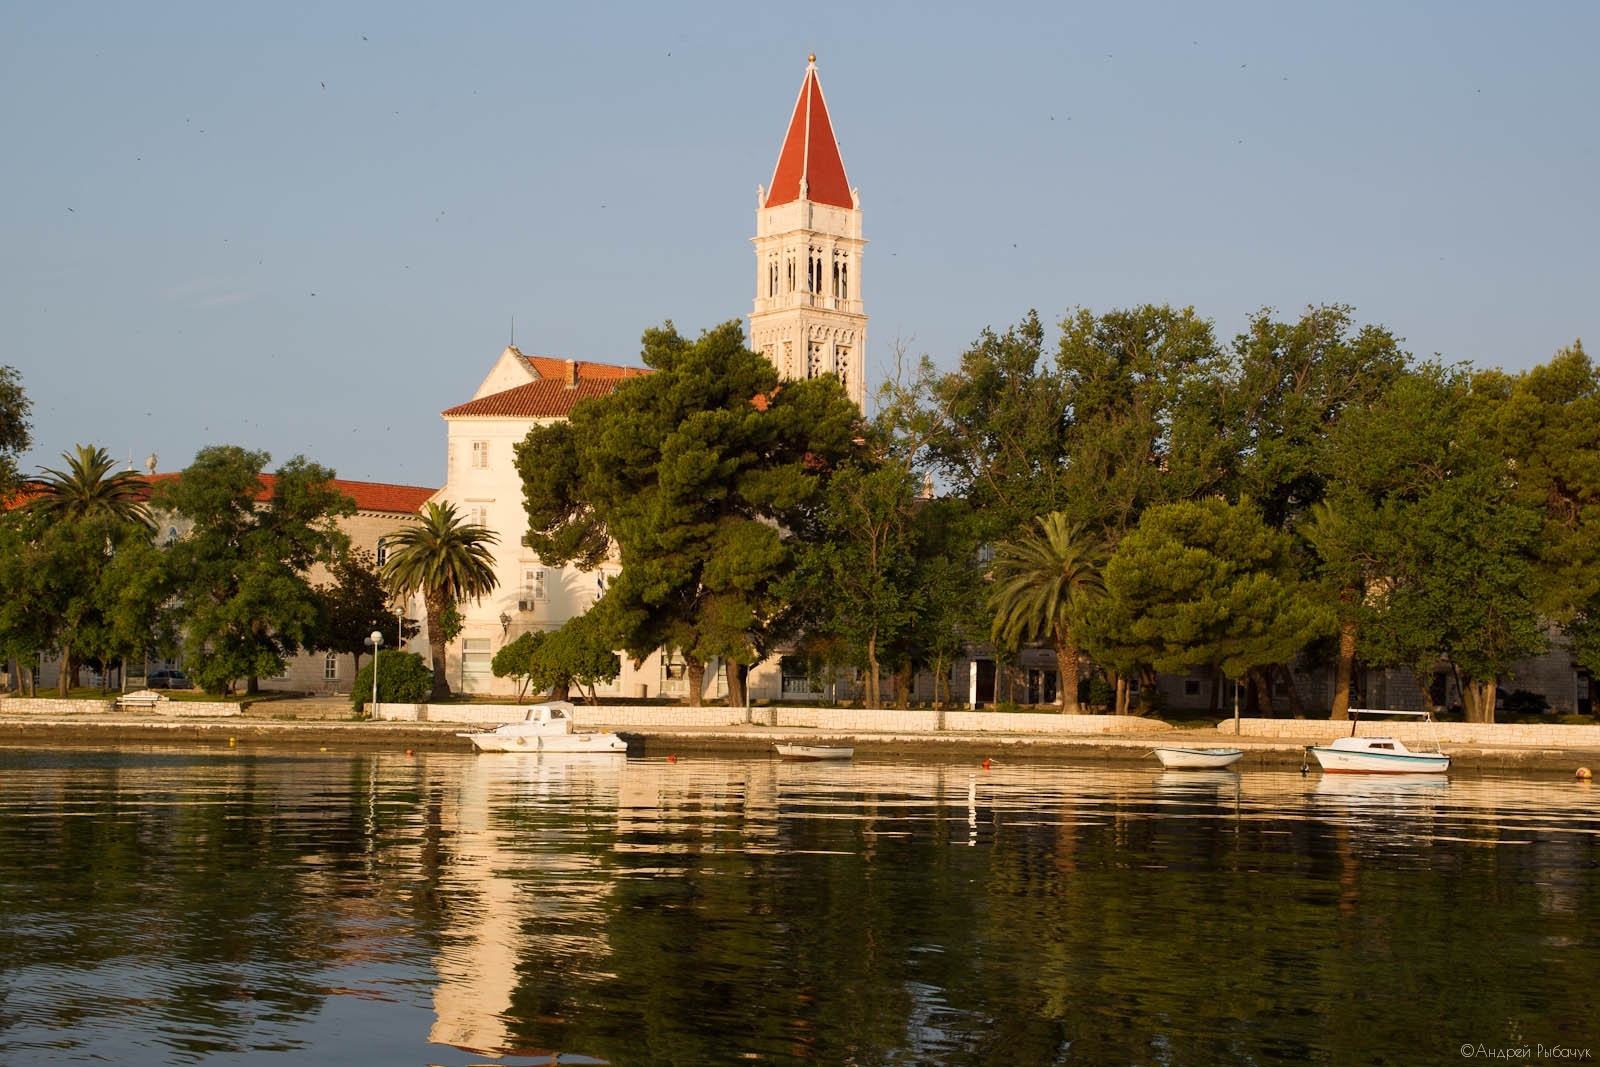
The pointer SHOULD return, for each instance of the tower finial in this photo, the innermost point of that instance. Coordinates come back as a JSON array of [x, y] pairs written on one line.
[[812, 58]]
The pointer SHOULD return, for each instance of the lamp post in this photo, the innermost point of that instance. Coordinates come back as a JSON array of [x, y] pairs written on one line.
[[377, 642]]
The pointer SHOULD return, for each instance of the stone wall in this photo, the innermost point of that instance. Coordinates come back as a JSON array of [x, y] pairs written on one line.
[[207, 709], [844, 720], [1421, 733]]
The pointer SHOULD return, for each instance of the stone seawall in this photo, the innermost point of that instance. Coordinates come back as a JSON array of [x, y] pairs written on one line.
[[183, 709], [1319, 731], [838, 720]]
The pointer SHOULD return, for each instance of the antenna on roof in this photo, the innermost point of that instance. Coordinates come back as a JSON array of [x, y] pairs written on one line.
[[513, 329]]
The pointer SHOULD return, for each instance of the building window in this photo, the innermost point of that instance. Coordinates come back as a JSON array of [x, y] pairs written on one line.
[[383, 552], [330, 666], [480, 455], [475, 659], [478, 514], [796, 681], [533, 589], [1191, 687]]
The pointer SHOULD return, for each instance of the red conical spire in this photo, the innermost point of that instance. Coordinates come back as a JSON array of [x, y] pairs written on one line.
[[810, 154]]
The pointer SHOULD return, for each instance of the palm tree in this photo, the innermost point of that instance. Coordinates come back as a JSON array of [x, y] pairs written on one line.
[[88, 490], [1041, 582], [448, 561]]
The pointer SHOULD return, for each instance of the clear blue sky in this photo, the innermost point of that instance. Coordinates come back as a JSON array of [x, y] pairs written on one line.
[[306, 228]]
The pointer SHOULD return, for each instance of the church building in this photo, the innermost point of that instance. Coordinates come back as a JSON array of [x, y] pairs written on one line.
[[808, 319]]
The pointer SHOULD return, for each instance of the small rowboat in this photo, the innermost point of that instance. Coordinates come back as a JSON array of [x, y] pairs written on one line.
[[1198, 758], [814, 752]]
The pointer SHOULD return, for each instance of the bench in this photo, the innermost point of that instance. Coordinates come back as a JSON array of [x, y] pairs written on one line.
[[148, 699]]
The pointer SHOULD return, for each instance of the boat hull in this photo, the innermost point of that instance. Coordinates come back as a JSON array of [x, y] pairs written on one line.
[[601, 743], [1177, 759], [814, 753], [1346, 761]]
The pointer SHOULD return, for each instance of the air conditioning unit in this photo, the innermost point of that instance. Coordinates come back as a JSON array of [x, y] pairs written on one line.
[[526, 605]]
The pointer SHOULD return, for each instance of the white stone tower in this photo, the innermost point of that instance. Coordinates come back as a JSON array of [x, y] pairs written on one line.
[[809, 318]]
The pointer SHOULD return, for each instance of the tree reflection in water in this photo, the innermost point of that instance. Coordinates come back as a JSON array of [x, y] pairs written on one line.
[[182, 907]]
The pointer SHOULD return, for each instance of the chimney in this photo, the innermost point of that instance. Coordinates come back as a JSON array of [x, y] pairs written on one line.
[[572, 374]]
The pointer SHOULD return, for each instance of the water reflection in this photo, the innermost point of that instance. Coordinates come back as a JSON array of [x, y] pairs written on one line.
[[167, 907]]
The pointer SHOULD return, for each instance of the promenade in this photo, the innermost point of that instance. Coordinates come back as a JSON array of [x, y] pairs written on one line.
[[663, 730]]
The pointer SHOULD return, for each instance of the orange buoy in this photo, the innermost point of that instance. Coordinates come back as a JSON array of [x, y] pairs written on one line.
[[1584, 774], [986, 764], [408, 752], [672, 758]]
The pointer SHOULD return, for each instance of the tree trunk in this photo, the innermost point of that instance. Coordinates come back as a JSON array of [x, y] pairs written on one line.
[[1147, 688], [1346, 670], [1067, 669], [1263, 692], [1478, 700], [696, 672], [436, 646], [738, 681], [903, 678], [64, 681], [1121, 689], [1296, 709], [873, 695]]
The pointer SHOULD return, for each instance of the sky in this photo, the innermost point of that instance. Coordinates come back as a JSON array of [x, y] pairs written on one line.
[[309, 228]]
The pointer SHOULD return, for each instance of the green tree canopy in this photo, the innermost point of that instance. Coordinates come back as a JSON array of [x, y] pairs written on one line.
[[1432, 517], [448, 561], [1290, 386], [354, 605], [1202, 584], [15, 429], [241, 570], [89, 588], [705, 475]]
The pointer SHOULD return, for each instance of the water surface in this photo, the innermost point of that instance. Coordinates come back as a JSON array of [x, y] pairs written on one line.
[[168, 906]]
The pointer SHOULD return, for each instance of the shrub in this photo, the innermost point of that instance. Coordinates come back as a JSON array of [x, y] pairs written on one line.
[[1521, 702], [402, 679]]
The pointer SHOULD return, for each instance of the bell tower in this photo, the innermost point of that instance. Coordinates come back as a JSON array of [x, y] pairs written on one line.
[[809, 318]]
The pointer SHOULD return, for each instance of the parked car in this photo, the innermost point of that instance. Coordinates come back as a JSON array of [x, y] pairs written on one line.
[[168, 679]]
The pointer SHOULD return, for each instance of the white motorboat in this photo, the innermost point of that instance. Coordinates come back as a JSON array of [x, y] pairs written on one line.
[[1378, 755], [1176, 759], [546, 728], [814, 752]]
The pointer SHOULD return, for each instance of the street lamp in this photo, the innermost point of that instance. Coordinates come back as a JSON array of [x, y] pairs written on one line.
[[505, 625], [377, 642]]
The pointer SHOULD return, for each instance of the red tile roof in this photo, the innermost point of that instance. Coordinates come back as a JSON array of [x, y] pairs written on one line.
[[549, 367], [549, 398], [810, 152], [368, 496]]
